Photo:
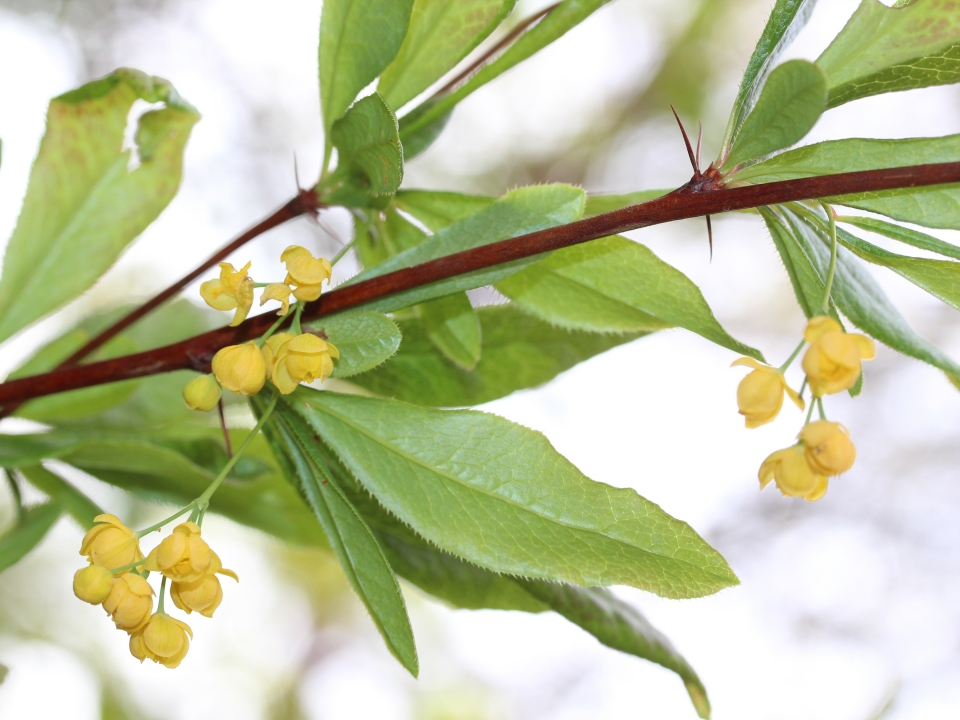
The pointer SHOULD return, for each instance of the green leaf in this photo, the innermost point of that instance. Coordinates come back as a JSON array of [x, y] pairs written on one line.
[[615, 285], [27, 533], [158, 472], [370, 158], [465, 585], [423, 135], [786, 20], [81, 508], [621, 627], [437, 209], [793, 99], [807, 284], [519, 352], [440, 35], [936, 206], [905, 235], [84, 204], [76, 403], [599, 204], [364, 340], [360, 555], [499, 495], [887, 49], [565, 17], [385, 235], [452, 325], [860, 298], [940, 278], [358, 39], [520, 211]]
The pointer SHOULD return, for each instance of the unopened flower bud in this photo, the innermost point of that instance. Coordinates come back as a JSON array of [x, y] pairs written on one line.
[[111, 544], [164, 640], [760, 393], [832, 362], [240, 368], [828, 447], [202, 393], [304, 358], [130, 602], [92, 584], [182, 556]]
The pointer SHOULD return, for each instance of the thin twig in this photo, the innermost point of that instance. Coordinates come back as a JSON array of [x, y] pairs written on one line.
[[685, 202]]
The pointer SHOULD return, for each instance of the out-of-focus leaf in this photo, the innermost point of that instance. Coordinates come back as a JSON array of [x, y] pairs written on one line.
[[76, 403], [369, 159], [162, 473], [937, 206], [565, 17], [621, 627], [27, 533], [861, 299], [385, 235], [452, 325], [615, 285], [358, 39], [886, 49], [81, 508], [437, 209], [3, 672], [423, 136], [84, 203], [440, 35], [499, 495], [364, 340], [905, 235], [793, 99], [940, 278], [520, 211], [356, 547], [786, 20], [519, 352], [599, 204]]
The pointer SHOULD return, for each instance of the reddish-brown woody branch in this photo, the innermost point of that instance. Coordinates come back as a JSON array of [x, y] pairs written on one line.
[[685, 202]]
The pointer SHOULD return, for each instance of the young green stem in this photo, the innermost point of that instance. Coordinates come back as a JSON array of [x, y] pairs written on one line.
[[178, 513], [295, 325], [343, 251], [131, 566], [793, 356], [273, 328], [823, 415], [204, 500], [163, 592]]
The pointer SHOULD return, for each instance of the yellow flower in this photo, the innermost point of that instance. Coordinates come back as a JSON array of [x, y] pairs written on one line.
[[202, 393], [828, 447], [110, 543], [832, 362], [232, 290], [130, 602], [204, 594], [305, 272], [164, 640], [760, 393], [304, 358], [280, 292], [793, 474], [240, 368], [92, 584], [272, 347], [182, 556]]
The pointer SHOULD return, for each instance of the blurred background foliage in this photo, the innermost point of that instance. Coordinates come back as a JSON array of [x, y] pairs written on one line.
[[847, 606]]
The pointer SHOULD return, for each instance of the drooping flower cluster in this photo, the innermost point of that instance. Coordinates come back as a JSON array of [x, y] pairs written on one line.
[[286, 358], [832, 364], [116, 578]]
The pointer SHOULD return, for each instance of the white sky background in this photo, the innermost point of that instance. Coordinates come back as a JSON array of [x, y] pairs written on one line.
[[843, 601]]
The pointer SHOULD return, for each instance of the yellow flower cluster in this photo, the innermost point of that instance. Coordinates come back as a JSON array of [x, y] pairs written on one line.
[[287, 358], [832, 364], [113, 579]]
